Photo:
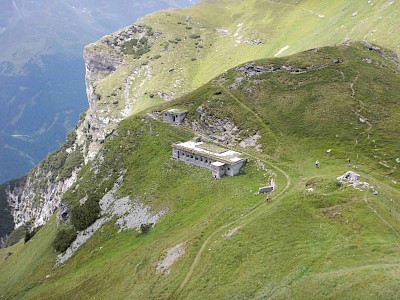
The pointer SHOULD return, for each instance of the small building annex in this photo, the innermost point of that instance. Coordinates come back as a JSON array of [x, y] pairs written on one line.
[[219, 160], [174, 116]]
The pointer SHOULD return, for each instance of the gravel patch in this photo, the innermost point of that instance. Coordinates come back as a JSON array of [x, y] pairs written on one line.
[[170, 256], [231, 232]]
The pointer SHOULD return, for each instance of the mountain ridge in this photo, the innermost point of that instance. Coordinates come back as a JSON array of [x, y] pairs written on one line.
[[335, 232]]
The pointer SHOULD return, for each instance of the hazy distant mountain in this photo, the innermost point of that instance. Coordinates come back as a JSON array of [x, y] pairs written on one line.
[[41, 70]]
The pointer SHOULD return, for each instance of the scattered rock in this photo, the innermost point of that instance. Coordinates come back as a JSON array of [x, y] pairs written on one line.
[[349, 177], [250, 69], [236, 83], [199, 110], [250, 141], [130, 215], [170, 256], [372, 47], [231, 232], [352, 179]]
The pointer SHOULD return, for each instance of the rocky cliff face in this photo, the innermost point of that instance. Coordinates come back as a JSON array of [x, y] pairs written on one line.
[[32, 205], [35, 198]]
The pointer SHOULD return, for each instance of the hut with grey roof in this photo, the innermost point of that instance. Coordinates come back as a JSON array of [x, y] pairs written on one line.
[[174, 116], [219, 160]]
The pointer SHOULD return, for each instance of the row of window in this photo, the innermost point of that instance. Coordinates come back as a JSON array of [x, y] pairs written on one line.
[[205, 160]]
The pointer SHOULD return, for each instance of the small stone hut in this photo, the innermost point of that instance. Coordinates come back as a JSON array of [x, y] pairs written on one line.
[[219, 160], [174, 116]]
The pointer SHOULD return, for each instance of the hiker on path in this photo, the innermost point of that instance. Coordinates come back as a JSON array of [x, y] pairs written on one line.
[[348, 162]]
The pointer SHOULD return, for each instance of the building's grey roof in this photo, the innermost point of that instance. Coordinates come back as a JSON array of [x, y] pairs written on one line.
[[175, 111], [209, 150]]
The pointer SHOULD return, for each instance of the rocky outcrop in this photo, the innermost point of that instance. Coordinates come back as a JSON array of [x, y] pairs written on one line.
[[33, 204], [251, 69], [353, 179], [38, 196], [129, 214]]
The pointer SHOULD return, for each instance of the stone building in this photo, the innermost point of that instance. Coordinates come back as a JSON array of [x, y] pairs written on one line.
[[174, 116], [219, 160]]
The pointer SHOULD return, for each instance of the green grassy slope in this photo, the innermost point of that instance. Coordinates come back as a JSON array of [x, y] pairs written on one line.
[[202, 41], [334, 242]]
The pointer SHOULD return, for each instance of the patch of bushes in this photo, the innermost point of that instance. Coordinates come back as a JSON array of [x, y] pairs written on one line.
[[136, 47], [15, 236], [145, 228], [82, 216], [140, 51], [30, 234], [74, 159], [195, 36], [64, 239], [55, 161], [143, 41]]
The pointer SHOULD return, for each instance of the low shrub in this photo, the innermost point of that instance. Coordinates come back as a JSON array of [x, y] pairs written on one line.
[[30, 234], [15, 236], [82, 216], [64, 239], [145, 228]]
